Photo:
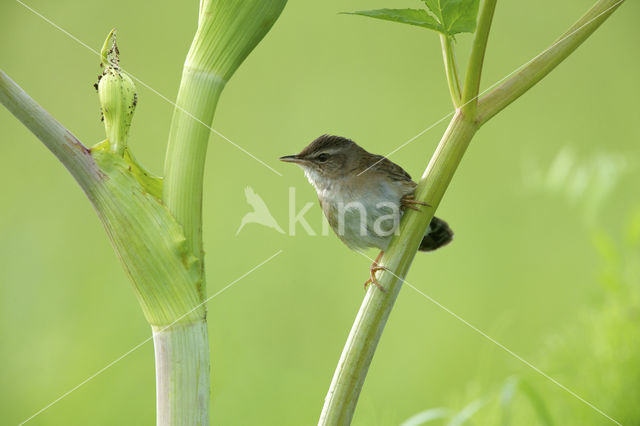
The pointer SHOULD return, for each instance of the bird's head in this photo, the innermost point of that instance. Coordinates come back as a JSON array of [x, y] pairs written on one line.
[[327, 158]]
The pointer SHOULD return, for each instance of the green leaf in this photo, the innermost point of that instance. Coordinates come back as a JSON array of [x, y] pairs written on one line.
[[418, 17], [448, 17], [454, 16]]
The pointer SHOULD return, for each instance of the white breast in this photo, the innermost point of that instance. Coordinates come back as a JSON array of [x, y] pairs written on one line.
[[366, 215]]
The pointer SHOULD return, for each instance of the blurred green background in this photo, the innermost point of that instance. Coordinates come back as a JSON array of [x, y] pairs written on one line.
[[544, 206]]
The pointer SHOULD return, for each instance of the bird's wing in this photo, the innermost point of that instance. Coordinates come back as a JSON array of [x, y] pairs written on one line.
[[384, 165]]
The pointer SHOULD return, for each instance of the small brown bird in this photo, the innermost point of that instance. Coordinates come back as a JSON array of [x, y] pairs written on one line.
[[363, 196]]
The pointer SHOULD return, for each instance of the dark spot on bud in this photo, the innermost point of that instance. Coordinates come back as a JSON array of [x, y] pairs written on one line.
[[95, 86]]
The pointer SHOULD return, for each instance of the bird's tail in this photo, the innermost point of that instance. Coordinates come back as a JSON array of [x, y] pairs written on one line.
[[438, 234]]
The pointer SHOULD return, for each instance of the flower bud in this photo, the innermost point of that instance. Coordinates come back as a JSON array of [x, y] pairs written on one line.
[[118, 97]]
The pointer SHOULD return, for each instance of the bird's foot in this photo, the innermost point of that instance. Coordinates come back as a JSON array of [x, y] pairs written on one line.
[[409, 202], [375, 267], [373, 280]]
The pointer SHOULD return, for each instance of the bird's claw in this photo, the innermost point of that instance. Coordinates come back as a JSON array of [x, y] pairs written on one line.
[[409, 202], [372, 277]]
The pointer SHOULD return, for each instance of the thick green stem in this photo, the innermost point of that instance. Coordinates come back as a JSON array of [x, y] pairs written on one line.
[[536, 69], [182, 374], [476, 59], [451, 69], [187, 149], [361, 344], [227, 32]]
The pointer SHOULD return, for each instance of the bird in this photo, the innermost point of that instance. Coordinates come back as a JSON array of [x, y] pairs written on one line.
[[260, 213], [363, 196]]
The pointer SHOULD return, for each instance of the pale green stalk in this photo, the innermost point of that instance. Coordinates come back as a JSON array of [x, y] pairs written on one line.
[[451, 69], [181, 352], [476, 59], [227, 32], [367, 329]]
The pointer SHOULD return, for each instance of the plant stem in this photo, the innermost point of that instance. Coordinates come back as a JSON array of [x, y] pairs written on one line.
[[536, 69], [476, 59], [182, 374], [451, 68], [60, 141], [186, 153], [358, 352], [227, 32]]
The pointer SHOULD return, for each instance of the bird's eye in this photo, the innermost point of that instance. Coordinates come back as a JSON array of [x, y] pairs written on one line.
[[323, 157]]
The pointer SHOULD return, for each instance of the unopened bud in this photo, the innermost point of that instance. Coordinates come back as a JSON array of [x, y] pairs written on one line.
[[118, 97]]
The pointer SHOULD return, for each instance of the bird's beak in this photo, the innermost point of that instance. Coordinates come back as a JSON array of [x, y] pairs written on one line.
[[291, 159]]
